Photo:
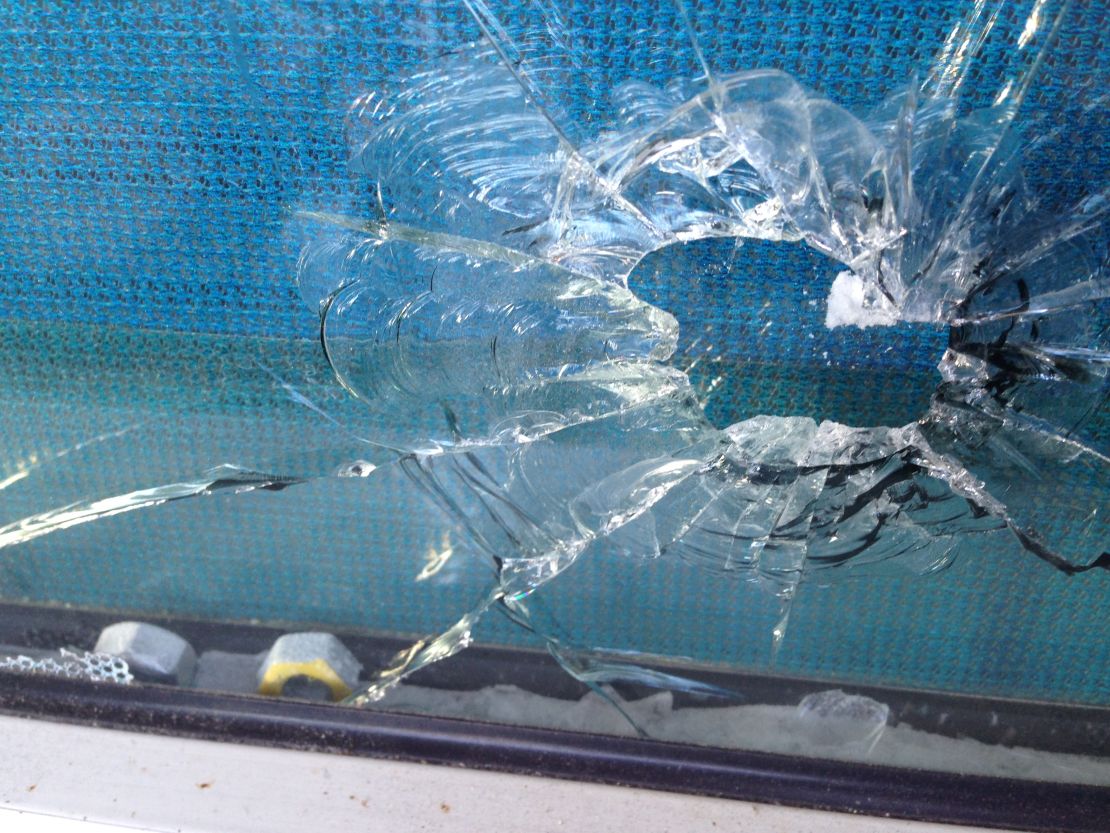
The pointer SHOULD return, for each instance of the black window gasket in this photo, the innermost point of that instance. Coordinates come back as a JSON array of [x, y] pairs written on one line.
[[816, 783]]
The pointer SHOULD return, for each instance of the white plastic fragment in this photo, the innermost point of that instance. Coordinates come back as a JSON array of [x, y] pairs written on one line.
[[853, 303]]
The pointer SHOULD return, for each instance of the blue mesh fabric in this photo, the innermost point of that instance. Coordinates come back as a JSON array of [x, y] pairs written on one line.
[[151, 156]]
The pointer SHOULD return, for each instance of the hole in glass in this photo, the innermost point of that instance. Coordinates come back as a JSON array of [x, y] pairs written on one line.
[[754, 341]]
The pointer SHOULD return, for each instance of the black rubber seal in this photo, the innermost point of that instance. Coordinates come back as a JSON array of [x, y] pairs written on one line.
[[750, 776], [1050, 727]]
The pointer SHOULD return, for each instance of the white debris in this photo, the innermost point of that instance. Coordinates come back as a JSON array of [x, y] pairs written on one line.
[[852, 303]]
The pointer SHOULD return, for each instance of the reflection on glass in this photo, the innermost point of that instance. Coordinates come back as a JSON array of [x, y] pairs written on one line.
[[679, 371]]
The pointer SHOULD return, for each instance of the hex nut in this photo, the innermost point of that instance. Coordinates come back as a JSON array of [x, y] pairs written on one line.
[[153, 654], [309, 665]]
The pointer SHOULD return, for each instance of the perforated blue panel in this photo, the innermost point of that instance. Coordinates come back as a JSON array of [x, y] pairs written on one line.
[[151, 158]]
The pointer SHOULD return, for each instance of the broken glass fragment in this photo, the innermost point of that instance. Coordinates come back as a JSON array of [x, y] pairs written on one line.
[[560, 430], [833, 718], [481, 313]]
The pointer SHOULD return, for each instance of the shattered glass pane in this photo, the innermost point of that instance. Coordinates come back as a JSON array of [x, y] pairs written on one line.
[[634, 346], [561, 429]]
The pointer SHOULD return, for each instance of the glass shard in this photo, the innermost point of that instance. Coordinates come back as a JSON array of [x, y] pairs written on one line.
[[484, 382], [563, 426]]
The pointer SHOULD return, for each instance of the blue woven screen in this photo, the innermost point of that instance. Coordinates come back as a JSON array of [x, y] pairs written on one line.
[[152, 160]]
